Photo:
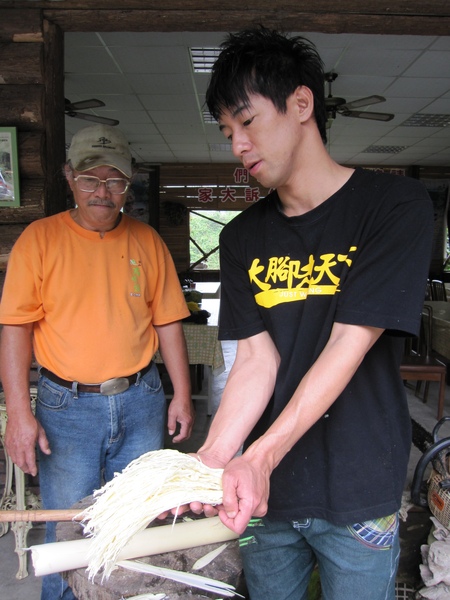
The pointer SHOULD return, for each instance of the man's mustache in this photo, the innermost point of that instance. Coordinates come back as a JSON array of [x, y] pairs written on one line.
[[107, 203]]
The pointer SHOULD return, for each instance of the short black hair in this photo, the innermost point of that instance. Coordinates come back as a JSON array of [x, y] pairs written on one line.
[[268, 63]]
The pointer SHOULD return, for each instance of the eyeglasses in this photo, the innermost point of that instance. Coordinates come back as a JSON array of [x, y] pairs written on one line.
[[89, 183]]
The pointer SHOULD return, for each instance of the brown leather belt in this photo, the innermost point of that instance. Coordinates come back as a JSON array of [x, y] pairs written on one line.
[[107, 388]]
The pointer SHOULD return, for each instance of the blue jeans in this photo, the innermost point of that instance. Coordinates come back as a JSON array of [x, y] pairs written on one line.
[[92, 437], [354, 562]]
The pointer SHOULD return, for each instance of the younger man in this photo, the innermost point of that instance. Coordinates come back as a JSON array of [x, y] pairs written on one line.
[[320, 282]]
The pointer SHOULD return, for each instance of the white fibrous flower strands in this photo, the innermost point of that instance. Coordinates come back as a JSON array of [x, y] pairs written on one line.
[[149, 486]]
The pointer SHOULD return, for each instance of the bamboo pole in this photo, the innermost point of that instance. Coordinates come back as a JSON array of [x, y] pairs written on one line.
[[58, 557], [65, 514]]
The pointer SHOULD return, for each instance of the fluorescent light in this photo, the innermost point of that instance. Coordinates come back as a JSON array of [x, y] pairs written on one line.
[[220, 147], [203, 59], [208, 118], [385, 149], [424, 120]]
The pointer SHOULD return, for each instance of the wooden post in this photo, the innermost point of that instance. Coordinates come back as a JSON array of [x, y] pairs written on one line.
[[55, 154]]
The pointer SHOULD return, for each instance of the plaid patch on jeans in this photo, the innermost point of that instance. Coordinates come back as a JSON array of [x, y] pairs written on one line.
[[378, 533]]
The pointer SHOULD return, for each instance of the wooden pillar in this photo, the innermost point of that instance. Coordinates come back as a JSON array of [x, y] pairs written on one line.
[[55, 198]]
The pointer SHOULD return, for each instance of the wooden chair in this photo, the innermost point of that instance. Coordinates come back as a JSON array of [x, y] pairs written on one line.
[[420, 365], [438, 291]]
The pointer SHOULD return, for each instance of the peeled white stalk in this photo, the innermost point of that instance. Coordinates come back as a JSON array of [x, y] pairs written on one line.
[[150, 485], [59, 557], [190, 579], [208, 558]]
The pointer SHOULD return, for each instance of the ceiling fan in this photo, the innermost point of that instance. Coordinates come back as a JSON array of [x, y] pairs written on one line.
[[336, 105], [71, 110]]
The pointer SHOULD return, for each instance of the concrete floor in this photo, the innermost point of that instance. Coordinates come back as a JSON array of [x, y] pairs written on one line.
[[29, 587]]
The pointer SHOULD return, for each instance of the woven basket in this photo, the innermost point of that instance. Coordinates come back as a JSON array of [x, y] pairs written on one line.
[[439, 499]]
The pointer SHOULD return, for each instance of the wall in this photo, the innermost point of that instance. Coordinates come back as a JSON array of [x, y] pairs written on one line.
[[32, 100]]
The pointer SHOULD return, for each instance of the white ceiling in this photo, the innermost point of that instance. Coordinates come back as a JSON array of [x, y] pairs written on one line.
[[147, 83]]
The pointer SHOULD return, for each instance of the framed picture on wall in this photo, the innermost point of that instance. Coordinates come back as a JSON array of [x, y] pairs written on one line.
[[9, 168]]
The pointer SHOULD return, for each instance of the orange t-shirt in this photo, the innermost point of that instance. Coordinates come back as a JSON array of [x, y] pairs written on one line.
[[93, 301]]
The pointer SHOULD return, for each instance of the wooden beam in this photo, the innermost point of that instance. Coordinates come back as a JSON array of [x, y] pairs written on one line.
[[28, 56], [31, 154], [401, 7], [31, 203], [20, 25], [209, 20], [411, 17], [405, 18], [21, 107]]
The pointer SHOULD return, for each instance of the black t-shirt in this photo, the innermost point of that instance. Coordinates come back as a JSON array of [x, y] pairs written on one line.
[[362, 258]]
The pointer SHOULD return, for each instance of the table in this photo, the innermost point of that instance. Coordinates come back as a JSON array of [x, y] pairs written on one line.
[[440, 327], [208, 289], [204, 347]]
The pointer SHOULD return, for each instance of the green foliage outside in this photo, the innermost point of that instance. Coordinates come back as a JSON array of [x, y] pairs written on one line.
[[447, 252], [205, 227]]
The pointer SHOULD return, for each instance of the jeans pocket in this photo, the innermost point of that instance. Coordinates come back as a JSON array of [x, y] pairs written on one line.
[[52, 396], [151, 380], [378, 534]]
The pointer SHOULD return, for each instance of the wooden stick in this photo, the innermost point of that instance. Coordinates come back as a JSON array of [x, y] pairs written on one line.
[[11, 516]]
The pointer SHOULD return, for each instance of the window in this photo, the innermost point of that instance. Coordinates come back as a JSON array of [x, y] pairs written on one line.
[[204, 230]]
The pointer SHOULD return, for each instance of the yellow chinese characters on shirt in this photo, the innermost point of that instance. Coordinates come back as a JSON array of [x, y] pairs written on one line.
[[285, 280]]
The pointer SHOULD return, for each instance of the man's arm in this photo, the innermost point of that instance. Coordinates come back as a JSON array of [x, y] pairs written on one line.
[[23, 430], [247, 392], [246, 478], [172, 346], [249, 388]]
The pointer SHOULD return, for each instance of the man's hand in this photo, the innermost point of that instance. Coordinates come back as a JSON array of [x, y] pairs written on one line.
[[173, 349], [245, 493], [21, 437], [182, 413]]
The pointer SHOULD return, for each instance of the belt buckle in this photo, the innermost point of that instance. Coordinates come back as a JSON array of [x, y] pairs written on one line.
[[111, 387]]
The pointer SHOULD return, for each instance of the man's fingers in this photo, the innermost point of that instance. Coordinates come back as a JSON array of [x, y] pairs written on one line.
[[43, 442], [27, 462], [171, 423], [184, 434], [238, 523]]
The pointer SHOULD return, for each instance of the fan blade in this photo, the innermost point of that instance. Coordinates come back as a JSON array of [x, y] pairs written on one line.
[[84, 104], [94, 118], [360, 114], [364, 102]]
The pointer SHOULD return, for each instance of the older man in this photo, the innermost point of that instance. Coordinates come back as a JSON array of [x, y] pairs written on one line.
[[94, 293]]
